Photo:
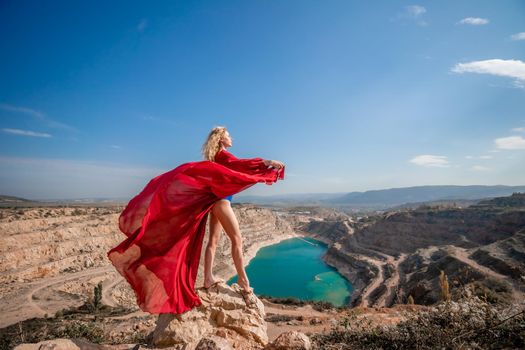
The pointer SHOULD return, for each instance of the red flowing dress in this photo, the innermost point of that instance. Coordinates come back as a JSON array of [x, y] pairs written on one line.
[[165, 225]]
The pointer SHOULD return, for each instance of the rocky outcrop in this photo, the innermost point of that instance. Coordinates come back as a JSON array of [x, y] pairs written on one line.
[[405, 232], [213, 342], [47, 242], [291, 340], [223, 313], [501, 265], [506, 257], [327, 231], [423, 282]]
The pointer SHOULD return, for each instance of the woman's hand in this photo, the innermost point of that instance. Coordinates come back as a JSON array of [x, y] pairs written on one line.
[[274, 163]]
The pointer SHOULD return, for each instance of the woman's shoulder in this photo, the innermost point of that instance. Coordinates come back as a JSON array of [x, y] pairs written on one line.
[[221, 154]]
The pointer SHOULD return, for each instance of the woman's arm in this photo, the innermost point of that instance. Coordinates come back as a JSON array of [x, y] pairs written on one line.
[[239, 164], [245, 164]]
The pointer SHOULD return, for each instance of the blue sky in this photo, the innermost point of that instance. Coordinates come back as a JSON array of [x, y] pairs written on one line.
[[97, 97]]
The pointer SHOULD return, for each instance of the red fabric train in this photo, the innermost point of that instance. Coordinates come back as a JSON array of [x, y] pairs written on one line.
[[165, 224]]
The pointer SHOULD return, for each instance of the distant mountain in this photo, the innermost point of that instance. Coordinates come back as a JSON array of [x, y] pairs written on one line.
[[89, 200], [371, 200], [293, 199], [387, 197], [10, 201], [13, 199], [398, 196]]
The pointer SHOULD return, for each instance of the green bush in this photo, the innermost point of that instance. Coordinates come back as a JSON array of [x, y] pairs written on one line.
[[95, 303]]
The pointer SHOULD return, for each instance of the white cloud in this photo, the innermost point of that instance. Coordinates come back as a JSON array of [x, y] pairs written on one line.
[[25, 132], [475, 21], [518, 36], [519, 84], [18, 109], [115, 146], [511, 142], [428, 160], [480, 168], [519, 129], [142, 25], [505, 68], [415, 10], [413, 13], [479, 157], [37, 114]]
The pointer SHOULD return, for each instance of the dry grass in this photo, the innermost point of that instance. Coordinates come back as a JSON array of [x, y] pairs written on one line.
[[468, 323]]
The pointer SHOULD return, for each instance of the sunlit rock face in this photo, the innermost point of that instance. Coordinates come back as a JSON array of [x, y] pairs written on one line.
[[223, 313]]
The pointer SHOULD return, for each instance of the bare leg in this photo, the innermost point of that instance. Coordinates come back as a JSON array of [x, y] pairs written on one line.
[[224, 212], [215, 235]]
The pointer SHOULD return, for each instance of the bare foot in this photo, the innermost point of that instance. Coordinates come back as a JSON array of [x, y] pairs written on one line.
[[245, 285], [210, 282], [247, 293], [247, 289]]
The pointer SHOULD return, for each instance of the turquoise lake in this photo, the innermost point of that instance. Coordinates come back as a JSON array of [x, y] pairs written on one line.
[[293, 268]]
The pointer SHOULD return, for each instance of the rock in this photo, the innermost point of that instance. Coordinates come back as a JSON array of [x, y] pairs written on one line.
[[213, 342], [291, 340], [64, 344], [315, 320], [223, 311], [221, 333], [88, 262]]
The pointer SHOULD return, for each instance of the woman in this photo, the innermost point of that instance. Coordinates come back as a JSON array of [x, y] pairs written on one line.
[[165, 225], [214, 149]]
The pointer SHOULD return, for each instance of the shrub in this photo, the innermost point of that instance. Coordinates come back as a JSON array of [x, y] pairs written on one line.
[[96, 303], [77, 212], [87, 330], [38, 329], [279, 318], [468, 323]]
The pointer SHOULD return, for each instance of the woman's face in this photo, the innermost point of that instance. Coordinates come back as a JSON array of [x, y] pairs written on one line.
[[226, 139]]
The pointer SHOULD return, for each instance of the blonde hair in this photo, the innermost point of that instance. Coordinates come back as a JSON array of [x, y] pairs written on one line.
[[212, 145]]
